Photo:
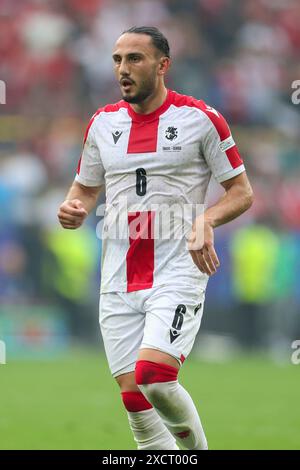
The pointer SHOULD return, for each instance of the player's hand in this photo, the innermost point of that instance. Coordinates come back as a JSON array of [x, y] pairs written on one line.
[[201, 246], [71, 214]]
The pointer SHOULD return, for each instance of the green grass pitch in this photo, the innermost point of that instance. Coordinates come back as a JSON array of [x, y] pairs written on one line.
[[73, 403]]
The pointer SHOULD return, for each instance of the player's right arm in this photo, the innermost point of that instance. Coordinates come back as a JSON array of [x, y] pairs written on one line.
[[88, 184], [79, 202]]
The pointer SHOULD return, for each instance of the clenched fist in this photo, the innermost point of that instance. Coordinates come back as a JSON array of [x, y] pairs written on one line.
[[71, 214]]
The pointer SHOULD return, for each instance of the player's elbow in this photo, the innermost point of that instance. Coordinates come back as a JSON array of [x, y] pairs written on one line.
[[248, 198]]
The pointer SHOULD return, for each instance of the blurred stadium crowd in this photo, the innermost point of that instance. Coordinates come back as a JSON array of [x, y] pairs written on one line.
[[239, 56]]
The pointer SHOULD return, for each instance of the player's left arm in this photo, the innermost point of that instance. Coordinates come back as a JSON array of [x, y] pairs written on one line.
[[222, 156], [238, 197]]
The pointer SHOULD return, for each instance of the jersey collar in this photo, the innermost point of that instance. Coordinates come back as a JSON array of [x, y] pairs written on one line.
[[151, 116]]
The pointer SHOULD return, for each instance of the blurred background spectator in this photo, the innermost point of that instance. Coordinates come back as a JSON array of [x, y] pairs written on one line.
[[240, 57]]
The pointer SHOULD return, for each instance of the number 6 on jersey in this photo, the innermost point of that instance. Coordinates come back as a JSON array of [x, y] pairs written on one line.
[[141, 181]]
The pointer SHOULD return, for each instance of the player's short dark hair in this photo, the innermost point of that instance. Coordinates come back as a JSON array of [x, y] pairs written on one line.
[[158, 39]]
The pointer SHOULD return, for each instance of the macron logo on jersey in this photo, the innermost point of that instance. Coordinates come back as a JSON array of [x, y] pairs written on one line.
[[116, 136]]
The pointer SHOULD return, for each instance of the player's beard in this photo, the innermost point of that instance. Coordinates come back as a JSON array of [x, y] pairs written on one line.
[[146, 89]]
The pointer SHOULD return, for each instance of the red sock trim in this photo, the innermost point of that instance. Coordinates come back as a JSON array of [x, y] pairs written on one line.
[[148, 372], [135, 401]]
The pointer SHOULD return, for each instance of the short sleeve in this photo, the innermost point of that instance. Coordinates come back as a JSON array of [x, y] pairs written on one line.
[[90, 171], [219, 148]]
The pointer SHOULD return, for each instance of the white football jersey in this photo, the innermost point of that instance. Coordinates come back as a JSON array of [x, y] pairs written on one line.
[[156, 169]]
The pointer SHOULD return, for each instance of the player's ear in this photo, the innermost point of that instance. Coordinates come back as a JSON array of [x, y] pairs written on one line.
[[164, 65]]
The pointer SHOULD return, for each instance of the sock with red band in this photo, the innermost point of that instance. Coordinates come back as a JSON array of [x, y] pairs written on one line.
[[159, 384], [149, 431]]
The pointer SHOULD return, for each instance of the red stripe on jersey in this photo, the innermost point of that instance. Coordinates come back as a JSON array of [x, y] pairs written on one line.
[[143, 137], [140, 255], [234, 157], [218, 121], [90, 124], [155, 114], [144, 129], [78, 166], [216, 118], [109, 108]]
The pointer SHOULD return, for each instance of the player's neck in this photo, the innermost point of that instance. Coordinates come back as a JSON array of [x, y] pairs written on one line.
[[152, 103]]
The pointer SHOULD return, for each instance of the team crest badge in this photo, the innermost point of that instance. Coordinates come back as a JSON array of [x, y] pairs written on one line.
[[171, 133]]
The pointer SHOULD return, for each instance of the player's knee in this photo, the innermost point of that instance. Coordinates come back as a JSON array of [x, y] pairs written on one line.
[[156, 394], [127, 383], [132, 397], [152, 379]]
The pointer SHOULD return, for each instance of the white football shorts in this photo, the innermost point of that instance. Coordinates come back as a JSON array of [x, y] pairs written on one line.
[[166, 318]]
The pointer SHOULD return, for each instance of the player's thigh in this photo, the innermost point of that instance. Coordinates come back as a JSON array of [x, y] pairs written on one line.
[[122, 331], [173, 318], [154, 355]]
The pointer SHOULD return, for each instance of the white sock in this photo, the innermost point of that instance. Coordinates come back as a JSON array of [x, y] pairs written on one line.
[[149, 431], [177, 410]]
